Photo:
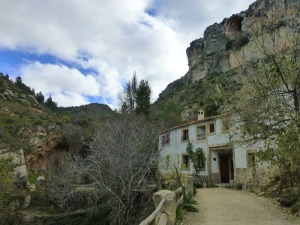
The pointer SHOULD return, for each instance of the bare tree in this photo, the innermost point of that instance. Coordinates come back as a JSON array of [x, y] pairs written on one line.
[[127, 98], [118, 168]]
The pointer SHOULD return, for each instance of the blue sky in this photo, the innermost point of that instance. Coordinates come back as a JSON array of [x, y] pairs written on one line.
[[83, 51]]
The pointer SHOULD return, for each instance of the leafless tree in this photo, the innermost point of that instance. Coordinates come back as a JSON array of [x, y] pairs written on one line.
[[120, 164], [127, 98]]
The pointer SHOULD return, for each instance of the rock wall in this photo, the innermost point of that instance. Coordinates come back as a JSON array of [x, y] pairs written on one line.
[[256, 177], [239, 38], [47, 148]]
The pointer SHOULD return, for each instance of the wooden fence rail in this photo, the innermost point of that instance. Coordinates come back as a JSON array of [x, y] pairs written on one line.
[[150, 218]]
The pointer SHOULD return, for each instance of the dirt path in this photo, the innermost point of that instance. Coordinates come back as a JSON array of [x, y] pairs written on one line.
[[222, 206]]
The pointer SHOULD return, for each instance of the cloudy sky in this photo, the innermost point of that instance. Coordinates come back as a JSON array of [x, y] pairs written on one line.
[[82, 51]]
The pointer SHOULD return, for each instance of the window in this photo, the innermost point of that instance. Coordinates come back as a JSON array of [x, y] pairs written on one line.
[[251, 159], [185, 135], [211, 128], [185, 163], [201, 132]]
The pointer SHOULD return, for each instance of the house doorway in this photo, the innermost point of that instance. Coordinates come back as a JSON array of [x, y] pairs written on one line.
[[224, 169], [221, 164]]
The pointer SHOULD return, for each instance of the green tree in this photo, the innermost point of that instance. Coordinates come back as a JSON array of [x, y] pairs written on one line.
[[50, 103], [40, 97], [143, 94], [19, 81], [23, 86], [197, 158]]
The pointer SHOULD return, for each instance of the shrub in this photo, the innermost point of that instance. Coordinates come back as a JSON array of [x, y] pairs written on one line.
[[229, 45], [242, 41], [295, 209], [239, 186], [281, 23]]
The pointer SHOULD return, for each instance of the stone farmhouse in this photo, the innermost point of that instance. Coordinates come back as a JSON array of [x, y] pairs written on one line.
[[224, 162]]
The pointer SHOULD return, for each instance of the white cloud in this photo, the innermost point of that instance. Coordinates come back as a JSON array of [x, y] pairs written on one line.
[[114, 37], [69, 99], [61, 82]]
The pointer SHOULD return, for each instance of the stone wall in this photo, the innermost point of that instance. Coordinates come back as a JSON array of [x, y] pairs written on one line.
[[255, 176]]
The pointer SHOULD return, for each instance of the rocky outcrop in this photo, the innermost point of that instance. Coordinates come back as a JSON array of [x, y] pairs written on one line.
[[10, 92], [17, 163], [47, 149], [238, 39]]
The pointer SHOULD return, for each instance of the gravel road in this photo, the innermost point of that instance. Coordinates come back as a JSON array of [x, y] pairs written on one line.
[[222, 206]]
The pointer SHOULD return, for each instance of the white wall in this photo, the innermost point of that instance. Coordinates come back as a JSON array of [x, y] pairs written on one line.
[[214, 164]]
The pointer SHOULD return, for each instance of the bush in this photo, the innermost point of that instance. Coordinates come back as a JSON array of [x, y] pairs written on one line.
[[237, 44], [229, 45], [295, 209], [6, 176], [239, 186]]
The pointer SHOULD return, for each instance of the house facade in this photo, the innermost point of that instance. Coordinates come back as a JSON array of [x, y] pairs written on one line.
[[223, 162]]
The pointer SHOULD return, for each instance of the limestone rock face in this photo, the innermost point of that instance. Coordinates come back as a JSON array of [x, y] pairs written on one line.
[[45, 149], [234, 41]]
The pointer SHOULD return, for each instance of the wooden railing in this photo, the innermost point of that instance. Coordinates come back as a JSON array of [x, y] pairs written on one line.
[[150, 218]]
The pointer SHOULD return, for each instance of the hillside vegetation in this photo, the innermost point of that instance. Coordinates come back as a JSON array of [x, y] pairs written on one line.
[[209, 94], [21, 114]]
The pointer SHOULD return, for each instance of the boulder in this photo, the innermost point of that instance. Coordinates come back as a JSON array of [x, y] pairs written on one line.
[[27, 201], [20, 176], [14, 205], [40, 185], [40, 182], [17, 163]]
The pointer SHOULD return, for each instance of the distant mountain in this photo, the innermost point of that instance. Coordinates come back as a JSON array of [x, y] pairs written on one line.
[[81, 115]]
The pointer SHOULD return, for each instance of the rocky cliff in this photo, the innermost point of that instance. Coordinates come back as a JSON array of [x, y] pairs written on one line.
[[215, 59], [237, 39]]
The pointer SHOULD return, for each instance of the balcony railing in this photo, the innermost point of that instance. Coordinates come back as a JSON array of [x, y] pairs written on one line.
[[201, 136]]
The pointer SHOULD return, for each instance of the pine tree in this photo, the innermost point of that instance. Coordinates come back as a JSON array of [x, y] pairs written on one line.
[[142, 97], [50, 103], [40, 97]]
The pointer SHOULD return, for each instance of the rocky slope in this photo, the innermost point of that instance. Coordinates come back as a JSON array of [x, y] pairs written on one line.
[[44, 135], [225, 47]]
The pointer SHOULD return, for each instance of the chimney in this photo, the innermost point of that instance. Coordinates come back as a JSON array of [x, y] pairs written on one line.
[[201, 114]]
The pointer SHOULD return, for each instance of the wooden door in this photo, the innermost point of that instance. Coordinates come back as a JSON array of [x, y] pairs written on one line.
[[224, 169]]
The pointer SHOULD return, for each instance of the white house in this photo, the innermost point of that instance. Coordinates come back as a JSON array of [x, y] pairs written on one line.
[[223, 161]]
